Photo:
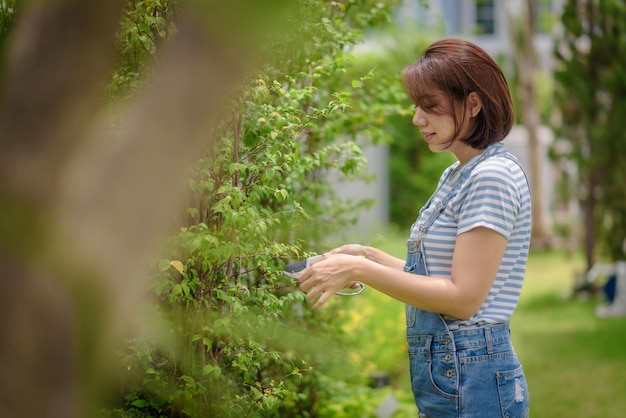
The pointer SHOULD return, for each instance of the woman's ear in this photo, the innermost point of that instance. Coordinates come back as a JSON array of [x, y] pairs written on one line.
[[473, 103]]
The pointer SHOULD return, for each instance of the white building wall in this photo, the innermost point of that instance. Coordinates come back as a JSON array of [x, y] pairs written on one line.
[[376, 217], [457, 18]]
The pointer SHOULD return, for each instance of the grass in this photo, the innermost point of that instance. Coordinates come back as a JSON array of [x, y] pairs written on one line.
[[575, 362]]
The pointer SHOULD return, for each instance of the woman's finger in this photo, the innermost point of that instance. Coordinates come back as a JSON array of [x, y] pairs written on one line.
[[351, 249], [304, 281], [324, 296]]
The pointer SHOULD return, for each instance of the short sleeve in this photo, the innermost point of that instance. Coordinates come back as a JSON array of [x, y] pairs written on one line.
[[490, 197]]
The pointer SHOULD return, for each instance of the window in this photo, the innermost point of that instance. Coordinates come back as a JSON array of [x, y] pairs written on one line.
[[485, 17]]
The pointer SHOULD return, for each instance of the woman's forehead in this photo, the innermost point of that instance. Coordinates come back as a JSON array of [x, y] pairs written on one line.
[[425, 85], [428, 95]]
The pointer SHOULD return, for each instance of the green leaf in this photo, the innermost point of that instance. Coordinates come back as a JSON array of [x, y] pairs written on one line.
[[281, 194], [176, 290], [163, 265], [139, 403]]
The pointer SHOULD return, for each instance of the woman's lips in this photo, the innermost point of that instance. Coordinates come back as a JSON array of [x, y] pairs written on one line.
[[428, 136]]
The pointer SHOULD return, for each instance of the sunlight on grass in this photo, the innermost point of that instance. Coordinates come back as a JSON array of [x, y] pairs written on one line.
[[550, 272]]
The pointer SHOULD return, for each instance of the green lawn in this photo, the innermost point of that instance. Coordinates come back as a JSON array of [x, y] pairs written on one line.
[[575, 362]]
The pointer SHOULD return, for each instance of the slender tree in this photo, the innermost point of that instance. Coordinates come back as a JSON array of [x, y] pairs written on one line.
[[521, 16]]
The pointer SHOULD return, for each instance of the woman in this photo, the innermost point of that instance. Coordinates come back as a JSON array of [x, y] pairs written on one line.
[[467, 251]]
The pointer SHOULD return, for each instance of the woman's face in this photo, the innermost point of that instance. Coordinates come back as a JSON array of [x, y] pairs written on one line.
[[434, 117]]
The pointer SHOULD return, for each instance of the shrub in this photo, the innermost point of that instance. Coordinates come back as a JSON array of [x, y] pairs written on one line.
[[239, 339]]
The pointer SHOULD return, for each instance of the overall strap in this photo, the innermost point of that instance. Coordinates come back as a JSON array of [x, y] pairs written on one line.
[[465, 172]]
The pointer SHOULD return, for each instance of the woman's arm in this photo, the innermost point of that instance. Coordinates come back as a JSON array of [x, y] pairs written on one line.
[[476, 260]]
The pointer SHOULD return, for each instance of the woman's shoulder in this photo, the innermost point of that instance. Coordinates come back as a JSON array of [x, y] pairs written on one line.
[[499, 174], [503, 166]]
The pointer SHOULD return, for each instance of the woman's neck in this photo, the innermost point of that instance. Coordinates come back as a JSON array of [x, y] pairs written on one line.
[[466, 153]]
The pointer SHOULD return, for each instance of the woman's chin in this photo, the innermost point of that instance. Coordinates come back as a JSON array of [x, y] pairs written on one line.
[[436, 147]]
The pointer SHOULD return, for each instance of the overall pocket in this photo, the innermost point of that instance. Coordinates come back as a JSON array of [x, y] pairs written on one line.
[[513, 393], [434, 376]]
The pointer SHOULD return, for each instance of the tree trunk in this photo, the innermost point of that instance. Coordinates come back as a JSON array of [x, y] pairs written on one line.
[[84, 200], [589, 209], [58, 57], [522, 32]]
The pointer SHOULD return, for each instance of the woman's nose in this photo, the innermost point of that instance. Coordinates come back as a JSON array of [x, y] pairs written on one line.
[[419, 118]]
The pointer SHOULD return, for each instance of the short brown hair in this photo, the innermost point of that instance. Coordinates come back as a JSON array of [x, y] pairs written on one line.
[[456, 68]]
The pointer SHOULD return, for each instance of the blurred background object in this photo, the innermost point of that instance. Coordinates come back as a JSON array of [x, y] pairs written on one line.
[[84, 203]]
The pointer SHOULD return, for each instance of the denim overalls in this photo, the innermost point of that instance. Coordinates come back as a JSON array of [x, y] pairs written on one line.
[[471, 372]]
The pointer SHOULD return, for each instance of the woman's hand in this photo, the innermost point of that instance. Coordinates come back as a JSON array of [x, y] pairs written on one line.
[[333, 272], [350, 249], [371, 253]]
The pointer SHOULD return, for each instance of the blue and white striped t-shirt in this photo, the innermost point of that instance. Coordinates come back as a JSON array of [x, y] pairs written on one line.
[[495, 195]]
